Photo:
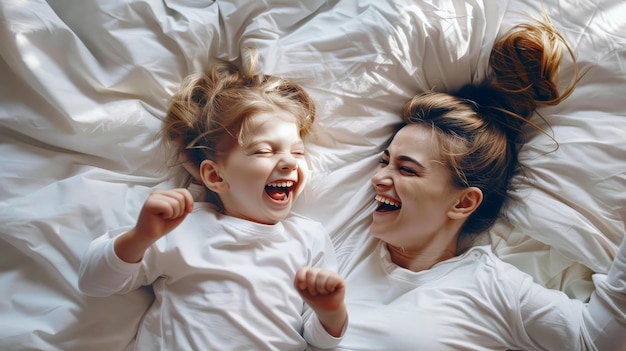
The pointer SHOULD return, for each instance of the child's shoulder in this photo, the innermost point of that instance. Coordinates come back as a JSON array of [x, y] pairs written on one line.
[[298, 218], [204, 207], [203, 212], [311, 232]]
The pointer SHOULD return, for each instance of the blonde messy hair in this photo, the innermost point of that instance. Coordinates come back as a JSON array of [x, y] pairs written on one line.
[[210, 114]]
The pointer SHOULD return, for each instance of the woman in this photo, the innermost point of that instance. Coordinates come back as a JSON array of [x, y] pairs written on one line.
[[417, 283]]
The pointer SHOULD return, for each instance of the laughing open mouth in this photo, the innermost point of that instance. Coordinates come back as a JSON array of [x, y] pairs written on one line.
[[279, 190], [386, 204]]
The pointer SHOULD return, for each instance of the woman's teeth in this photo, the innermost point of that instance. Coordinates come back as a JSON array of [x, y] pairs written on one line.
[[386, 204]]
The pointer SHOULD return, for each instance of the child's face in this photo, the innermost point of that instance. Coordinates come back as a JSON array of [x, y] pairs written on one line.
[[264, 175]]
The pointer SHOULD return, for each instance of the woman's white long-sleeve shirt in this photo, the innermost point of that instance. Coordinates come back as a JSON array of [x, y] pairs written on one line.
[[220, 283], [473, 302]]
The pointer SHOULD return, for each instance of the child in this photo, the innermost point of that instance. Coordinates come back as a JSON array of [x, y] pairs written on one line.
[[224, 276]]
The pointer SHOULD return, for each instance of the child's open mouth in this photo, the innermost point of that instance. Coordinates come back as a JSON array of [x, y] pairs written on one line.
[[279, 190], [386, 204]]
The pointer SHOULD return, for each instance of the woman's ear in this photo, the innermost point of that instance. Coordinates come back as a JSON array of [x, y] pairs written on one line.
[[467, 202], [210, 174]]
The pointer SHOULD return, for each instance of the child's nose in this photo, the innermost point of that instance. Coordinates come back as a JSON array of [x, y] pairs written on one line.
[[288, 162]]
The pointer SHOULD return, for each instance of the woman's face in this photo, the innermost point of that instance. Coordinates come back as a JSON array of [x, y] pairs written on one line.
[[414, 191]]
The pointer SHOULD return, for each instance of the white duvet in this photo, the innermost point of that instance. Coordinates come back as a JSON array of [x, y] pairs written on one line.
[[83, 85]]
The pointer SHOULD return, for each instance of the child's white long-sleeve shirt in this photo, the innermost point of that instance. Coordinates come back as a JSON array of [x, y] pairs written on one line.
[[220, 283]]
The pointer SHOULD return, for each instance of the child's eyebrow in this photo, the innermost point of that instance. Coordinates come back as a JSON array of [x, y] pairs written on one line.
[[270, 142]]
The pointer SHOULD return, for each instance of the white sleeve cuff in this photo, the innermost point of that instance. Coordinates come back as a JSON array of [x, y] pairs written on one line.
[[317, 335]]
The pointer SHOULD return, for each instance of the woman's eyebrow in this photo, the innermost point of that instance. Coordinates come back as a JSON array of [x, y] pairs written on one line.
[[405, 158], [411, 160]]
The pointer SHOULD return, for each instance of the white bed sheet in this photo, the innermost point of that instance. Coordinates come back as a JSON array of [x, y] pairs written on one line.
[[83, 86]]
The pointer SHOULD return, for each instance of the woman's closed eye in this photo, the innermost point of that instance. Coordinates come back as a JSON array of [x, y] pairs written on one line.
[[407, 170], [403, 169]]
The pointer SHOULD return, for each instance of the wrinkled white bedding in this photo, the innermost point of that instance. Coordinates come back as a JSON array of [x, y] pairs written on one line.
[[83, 86]]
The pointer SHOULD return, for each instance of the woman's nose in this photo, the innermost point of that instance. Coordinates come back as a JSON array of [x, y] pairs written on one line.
[[381, 178]]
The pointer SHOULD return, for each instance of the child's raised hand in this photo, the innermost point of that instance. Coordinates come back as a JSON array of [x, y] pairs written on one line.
[[320, 288], [163, 211], [324, 291]]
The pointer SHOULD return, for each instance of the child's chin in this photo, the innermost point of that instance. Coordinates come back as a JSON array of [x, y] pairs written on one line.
[[277, 216]]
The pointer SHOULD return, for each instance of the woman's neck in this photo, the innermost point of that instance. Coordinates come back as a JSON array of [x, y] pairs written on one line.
[[417, 260]]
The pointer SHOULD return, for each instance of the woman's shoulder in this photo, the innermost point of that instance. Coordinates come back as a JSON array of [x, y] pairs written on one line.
[[490, 259], [495, 267]]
